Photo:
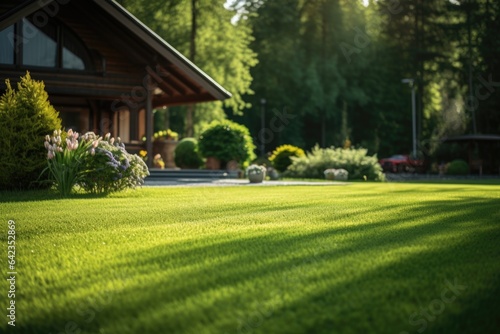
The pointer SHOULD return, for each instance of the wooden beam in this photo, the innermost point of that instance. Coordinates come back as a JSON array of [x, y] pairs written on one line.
[[149, 122]]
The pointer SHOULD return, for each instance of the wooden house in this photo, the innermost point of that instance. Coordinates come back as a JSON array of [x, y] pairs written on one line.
[[104, 70]]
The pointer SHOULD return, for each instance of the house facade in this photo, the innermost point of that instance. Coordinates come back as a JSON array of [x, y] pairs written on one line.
[[104, 70]]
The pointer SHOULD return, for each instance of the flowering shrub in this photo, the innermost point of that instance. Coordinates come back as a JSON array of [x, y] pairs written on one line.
[[66, 159], [97, 165], [158, 161], [166, 135], [355, 161]]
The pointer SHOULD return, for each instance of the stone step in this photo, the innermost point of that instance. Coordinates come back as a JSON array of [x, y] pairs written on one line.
[[162, 174]]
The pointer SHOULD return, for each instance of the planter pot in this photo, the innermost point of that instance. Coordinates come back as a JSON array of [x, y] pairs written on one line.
[[166, 149], [257, 178], [341, 177], [330, 176], [213, 163]]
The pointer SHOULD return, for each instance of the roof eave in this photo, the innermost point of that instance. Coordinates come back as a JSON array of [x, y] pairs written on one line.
[[23, 9], [163, 48]]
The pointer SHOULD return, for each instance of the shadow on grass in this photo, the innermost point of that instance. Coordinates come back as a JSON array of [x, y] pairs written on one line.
[[41, 195], [336, 285]]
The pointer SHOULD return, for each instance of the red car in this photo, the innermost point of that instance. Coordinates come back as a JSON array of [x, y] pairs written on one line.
[[400, 163]]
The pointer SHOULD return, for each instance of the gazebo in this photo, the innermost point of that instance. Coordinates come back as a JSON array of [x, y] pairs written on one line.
[[483, 151]]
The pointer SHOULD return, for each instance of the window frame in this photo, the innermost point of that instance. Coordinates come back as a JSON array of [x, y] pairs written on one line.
[[61, 30]]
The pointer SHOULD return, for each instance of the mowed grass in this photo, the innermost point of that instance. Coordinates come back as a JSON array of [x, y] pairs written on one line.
[[361, 258]]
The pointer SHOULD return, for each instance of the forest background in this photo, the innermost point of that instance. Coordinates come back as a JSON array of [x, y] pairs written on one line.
[[308, 72]]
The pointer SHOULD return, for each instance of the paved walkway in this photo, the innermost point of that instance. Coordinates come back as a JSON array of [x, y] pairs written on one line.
[[234, 182]]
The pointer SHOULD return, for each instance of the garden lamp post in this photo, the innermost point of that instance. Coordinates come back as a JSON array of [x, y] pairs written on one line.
[[411, 83], [262, 127]]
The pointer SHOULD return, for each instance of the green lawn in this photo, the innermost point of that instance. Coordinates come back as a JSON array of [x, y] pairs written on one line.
[[361, 258]]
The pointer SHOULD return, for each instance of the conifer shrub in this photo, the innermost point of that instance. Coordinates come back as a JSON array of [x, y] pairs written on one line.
[[282, 154], [26, 116]]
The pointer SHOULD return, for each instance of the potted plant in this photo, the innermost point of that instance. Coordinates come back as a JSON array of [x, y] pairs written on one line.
[[329, 174], [336, 174], [224, 141], [341, 174], [164, 144], [256, 173]]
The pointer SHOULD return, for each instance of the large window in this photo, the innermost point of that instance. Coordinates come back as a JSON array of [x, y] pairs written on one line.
[[39, 45], [7, 45], [52, 45]]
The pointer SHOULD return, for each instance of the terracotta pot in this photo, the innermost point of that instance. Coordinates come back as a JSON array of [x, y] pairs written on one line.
[[166, 149], [213, 163]]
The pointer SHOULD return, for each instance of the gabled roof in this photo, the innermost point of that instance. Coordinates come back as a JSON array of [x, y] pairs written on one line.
[[12, 11]]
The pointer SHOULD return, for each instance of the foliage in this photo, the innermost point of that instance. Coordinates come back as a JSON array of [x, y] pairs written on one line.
[[97, 165], [112, 168], [355, 161], [281, 156], [226, 141], [221, 48], [457, 167], [66, 160], [166, 135], [187, 154], [26, 116], [158, 161]]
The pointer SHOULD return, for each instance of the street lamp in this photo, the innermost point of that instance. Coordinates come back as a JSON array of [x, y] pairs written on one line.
[[262, 127], [411, 83]]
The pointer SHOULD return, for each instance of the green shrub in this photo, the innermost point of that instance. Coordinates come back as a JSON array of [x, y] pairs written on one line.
[[281, 156], [26, 116], [95, 164], [66, 160], [187, 155], [111, 168], [355, 161], [226, 141], [458, 167]]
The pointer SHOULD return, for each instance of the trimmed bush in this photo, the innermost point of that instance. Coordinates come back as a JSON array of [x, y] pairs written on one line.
[[26, 116], [355, 161], [187, 155], [281, 156], [226, 141], [458, 167]]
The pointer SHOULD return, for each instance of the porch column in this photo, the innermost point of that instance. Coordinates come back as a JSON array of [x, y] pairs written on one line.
[[149, 122]]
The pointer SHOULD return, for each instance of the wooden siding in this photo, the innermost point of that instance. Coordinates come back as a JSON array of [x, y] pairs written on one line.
[[120, 63]]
